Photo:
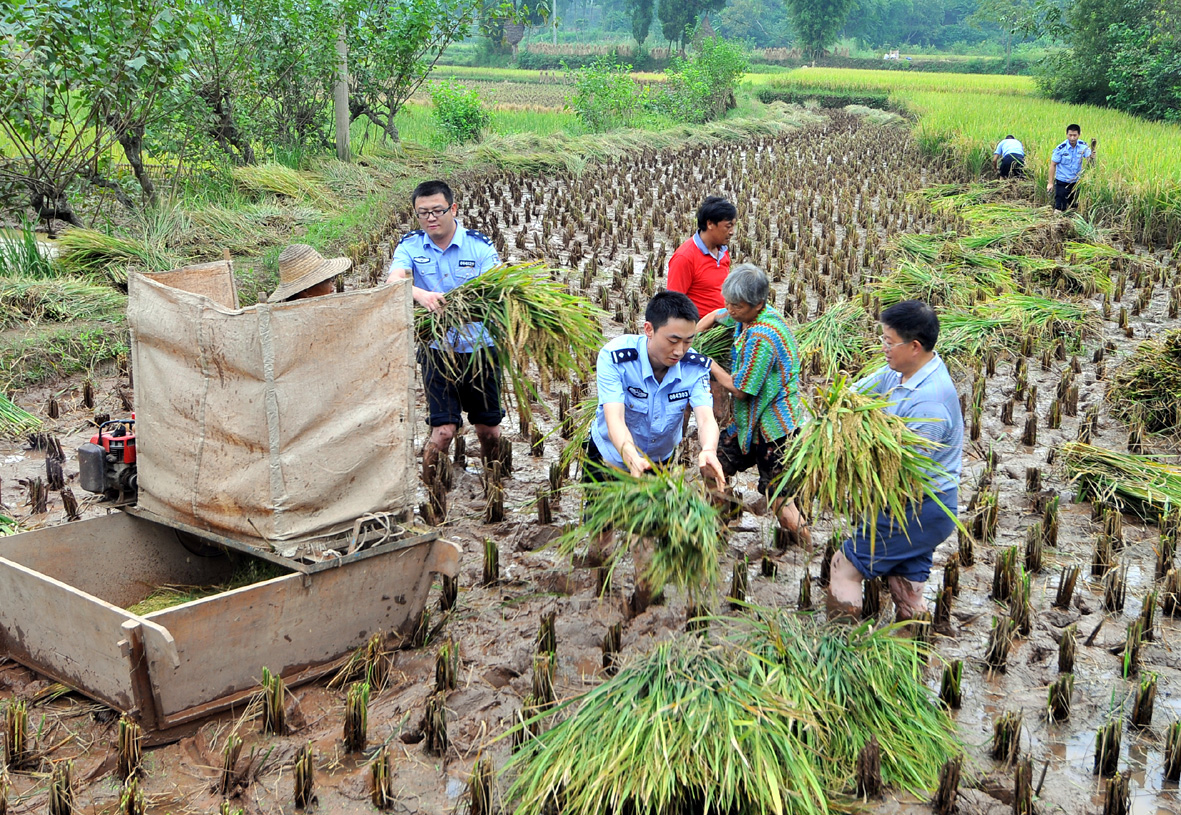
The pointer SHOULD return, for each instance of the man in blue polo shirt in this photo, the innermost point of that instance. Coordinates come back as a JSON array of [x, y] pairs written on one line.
[[1066, 167], [646, 383], [441, 256], [1008, 159], [916, 381]]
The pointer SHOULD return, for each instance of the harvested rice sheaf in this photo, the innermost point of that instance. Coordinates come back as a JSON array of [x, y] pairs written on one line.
[[1147, 387], [533, 321], [1144, 483], [856, 460], [769, 719], [667, 507]]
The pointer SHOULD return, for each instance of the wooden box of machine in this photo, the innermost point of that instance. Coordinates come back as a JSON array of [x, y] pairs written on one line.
[[67, 591]]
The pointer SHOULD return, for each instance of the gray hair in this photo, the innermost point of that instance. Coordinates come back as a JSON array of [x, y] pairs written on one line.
[[746, 284]]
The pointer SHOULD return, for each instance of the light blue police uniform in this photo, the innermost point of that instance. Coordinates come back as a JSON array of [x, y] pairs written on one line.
[[1009, 147], [1069, 161], [654, 411], [470, 254]]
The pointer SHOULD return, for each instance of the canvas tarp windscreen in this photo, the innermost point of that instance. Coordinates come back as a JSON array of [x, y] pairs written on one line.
[[279, 421]]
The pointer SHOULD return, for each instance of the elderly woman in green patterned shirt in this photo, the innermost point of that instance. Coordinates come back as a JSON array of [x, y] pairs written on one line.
[[764, 379]]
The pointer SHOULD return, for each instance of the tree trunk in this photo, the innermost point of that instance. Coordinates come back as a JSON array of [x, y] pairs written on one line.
[[104, 183], [340, 97], [53, 204], [224, 130], [132, 140]]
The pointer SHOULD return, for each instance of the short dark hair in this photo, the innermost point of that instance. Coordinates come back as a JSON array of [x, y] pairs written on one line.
[[1010, 136], [670, 305], [1075, 128], [715, 209], [913, 320], [429, 188]]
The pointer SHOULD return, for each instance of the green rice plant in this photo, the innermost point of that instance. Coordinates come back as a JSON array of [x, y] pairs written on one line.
[[856, 460], [533, 321], [276, 179], [947, 284], [15, 421], [838, 337], [21, 255], [90, 253], [1147, 387], [770, 719], [59, 300], [669, 509], [1148, 485]]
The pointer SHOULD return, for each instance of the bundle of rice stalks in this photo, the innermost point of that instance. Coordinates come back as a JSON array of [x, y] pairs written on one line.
[[733, 742], [88, 252], [838, 337], [945, 284], [965, 335], [532, 320], [856, 460], [242, 231], [716, 343], [279, 180], [769, 720], [834, 676], [59, 300], [16, 421], [666, 507], [1045, 318], [1078, 278], [950, 197], [921, 247], [1146, 484], [1147, 387]]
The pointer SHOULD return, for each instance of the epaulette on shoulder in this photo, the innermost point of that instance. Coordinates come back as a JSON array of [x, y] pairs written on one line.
[[480, 236], [417, 233], [694, 358], [1064, 144], [625, 355]]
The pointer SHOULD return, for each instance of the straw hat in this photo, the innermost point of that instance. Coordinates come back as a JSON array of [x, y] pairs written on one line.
[[301, 267]]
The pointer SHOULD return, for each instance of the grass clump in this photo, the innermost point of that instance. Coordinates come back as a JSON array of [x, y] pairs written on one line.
[[21, 255], [1148, 485], [14, 421], [90, 253], [1147, 387], [59, 300], [769, 719], [533, 321], [275, 179], [666, 507], [31, 357], [856, 460]]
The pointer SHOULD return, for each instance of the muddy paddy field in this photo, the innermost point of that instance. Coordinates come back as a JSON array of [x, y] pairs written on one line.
[[831, 212]]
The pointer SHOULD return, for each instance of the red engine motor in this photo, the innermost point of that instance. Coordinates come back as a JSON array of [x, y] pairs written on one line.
[[106, 465]]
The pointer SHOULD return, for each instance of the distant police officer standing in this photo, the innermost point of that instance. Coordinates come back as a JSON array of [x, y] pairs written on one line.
[[1066, 166], [441, 256], [1009, 158], [646, 382]]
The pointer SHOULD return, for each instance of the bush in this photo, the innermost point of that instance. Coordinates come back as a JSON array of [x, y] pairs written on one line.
[[460, 112], [604, 95], [824, 98], [701, 89]]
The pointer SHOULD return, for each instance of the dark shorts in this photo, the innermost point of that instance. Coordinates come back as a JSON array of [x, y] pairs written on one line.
[[597, 470], [475, 391], [1065, 195], [894, 553], [768, 456], [1012, 164]]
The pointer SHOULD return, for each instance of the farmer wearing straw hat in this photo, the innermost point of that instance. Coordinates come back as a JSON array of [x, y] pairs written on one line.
[[304, 273], [917, 383], [440, 257]]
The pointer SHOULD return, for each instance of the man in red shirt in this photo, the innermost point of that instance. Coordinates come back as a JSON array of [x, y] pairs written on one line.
[[701, 263]]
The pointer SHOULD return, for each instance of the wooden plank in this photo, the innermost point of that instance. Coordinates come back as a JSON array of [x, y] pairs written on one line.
[[65, 634], [288, 624], [117, 557]]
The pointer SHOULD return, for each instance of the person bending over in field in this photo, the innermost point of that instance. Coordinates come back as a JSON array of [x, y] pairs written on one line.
[[765, 384], [646, 383], [917, 383], [441, 256], [1008, 159]]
